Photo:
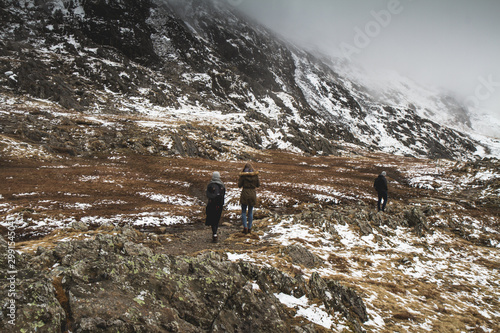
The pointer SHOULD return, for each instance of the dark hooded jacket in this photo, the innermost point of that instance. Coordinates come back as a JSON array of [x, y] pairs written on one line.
[[249, 181], [216, 190], [380, 184], [215, 193]]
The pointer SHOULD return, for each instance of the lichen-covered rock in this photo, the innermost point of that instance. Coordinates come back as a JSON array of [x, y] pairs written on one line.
[[417, 220], [115, 283], [339, 298], [364, 227], [28, 298], [113, 288], [301, 256]]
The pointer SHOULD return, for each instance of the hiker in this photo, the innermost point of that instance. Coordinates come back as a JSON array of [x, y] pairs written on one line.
[[249, 181], [215, 194], [380, 186]]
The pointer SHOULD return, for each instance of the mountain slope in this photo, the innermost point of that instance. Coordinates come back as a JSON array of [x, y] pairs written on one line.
[[196, 61]]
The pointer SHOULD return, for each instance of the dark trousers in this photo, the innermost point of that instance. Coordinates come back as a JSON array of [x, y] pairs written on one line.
[[214, 213], [382, 195]]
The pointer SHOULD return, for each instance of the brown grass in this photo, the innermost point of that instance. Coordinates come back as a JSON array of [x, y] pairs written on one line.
[[339, 263], [404, 315], [51, 189]]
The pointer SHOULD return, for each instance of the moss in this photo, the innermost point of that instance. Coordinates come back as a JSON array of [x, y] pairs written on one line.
[[180, 284], [132, 267], [155, 258], [38, 324], [160, 274], [139, 301]]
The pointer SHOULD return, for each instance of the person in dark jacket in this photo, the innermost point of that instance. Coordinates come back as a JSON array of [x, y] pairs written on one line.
[[216, 192], [249, 181], [380, 186]]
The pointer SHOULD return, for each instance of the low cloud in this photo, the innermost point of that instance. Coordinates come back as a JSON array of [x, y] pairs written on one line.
[[451, 44]]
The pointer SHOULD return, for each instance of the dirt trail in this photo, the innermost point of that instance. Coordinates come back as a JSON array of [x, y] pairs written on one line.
[[195, 238]]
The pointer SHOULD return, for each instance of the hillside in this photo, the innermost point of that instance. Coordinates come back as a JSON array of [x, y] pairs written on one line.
[[320, 258], [115, 114], [204, 63]]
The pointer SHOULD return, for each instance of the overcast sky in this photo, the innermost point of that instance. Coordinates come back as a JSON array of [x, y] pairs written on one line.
[[450, 43]]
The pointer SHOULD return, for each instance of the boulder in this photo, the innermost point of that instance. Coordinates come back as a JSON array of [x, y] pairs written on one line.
[[417, 220], [299, 255], [339, 298]]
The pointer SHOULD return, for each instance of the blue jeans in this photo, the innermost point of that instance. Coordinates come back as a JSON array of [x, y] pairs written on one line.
[[244, 215]]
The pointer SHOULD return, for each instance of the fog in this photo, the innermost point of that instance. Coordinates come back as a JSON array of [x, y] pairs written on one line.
[[452, 44]]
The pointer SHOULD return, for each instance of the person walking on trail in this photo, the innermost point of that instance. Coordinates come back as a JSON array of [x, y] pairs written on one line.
[[216, 192], [380, 186], [249, 181]]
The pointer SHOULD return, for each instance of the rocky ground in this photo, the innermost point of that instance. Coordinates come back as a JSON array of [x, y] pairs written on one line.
[[117, 243]]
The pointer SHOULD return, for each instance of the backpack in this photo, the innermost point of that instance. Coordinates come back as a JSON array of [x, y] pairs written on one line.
[[215, 193]]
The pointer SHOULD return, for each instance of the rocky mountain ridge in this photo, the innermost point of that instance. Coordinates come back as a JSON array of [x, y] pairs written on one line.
[[201, 59]]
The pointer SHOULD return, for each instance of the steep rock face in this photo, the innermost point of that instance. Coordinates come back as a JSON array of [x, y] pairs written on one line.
[[118, 57], [121, 25]]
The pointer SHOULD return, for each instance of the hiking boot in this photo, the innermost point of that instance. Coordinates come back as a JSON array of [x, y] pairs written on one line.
[[214, 239], [249, 230], [245, 231]]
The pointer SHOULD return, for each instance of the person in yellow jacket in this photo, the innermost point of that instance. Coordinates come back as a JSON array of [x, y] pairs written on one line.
[[248, 181]]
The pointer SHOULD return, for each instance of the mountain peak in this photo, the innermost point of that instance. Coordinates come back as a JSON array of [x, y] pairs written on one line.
[[158, 57]]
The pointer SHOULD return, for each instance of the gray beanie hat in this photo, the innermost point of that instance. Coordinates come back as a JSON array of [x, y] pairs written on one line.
[[216, 175], [383, 173]]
